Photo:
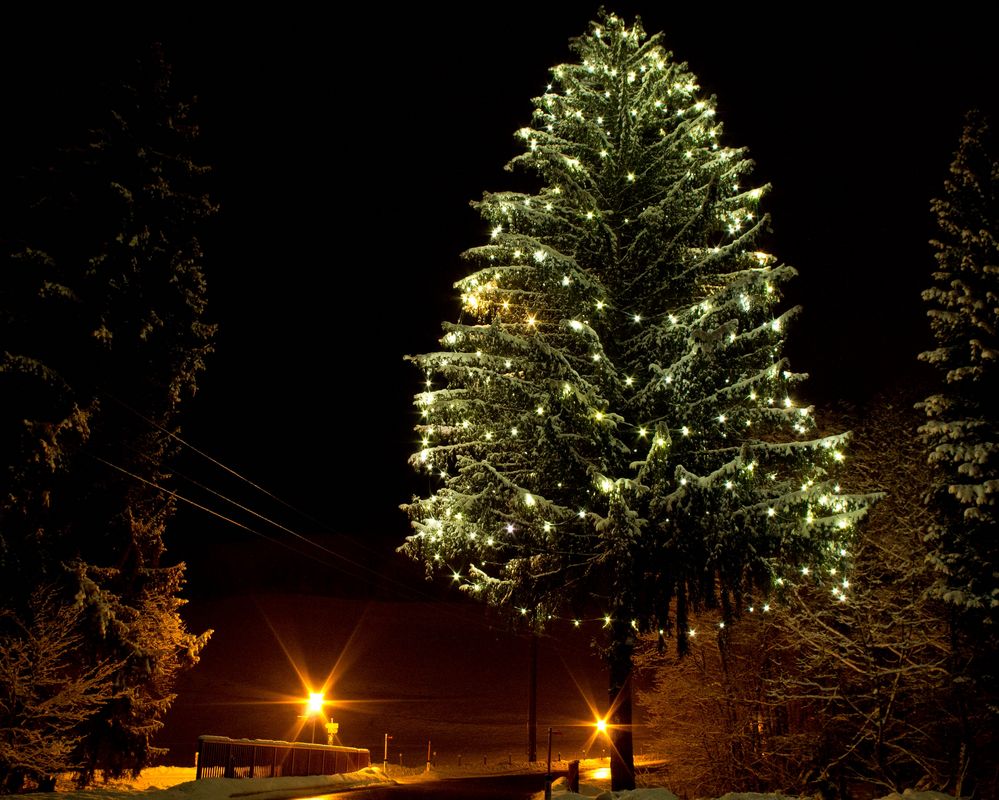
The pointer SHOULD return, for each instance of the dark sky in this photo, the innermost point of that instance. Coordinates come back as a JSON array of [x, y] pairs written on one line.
[[345, 156]]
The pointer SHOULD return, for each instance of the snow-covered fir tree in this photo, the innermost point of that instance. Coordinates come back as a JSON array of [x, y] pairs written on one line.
[[961, 433], [614, 432], [962, 427], [104, 331]]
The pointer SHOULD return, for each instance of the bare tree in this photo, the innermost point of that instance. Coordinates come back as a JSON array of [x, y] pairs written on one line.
[[45, 693]]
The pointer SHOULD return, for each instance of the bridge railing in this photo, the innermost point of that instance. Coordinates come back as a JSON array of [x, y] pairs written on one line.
[[221, 757]]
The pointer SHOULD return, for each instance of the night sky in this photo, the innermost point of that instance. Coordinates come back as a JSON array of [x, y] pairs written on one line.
[[345, 156]]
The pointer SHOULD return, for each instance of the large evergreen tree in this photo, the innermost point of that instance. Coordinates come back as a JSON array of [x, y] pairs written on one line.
[[962, 434], [612, 426], [962, 427], [102, 317]]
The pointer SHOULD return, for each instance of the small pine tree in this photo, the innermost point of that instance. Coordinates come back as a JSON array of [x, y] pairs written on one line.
[[612, 426], [962, 427]]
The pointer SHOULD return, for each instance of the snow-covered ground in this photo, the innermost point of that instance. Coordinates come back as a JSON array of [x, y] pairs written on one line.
[[177, 783]]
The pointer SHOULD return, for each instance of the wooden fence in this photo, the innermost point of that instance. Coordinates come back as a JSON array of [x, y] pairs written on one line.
[[220, 757]]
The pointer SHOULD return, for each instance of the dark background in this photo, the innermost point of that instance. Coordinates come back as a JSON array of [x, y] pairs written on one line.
[[344, 156]]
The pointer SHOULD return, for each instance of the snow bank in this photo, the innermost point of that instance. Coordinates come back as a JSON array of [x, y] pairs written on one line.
[[595, 793], [758, 796], [229, 788], [560, 791], [175, 783]]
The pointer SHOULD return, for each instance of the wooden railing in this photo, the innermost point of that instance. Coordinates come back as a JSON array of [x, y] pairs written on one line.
[[220, 757]]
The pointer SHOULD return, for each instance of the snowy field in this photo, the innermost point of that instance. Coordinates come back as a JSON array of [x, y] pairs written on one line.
[[177, 783]]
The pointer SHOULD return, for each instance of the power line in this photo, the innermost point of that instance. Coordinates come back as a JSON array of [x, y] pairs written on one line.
[[238, 524], [216, 462], [416, 593]]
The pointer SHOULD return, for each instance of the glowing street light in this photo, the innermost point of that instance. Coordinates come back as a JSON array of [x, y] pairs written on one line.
[[314, 709], [601, 725]]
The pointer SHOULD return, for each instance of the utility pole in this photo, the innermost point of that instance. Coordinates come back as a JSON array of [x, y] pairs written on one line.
[[532, 703]]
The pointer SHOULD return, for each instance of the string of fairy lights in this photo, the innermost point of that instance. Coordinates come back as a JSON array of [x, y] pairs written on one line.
[[532, 305]]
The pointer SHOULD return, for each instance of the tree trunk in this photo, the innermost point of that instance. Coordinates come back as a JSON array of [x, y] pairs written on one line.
[[622, 754]]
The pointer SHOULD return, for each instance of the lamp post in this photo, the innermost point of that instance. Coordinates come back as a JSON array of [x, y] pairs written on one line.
[[548, 777]]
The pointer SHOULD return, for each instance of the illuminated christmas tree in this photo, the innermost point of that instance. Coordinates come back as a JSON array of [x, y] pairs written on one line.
[[612, 427]]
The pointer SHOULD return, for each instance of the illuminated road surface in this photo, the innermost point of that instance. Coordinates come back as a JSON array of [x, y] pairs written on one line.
[[492, 787]]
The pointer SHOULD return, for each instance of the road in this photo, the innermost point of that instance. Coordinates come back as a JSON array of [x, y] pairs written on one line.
[[490, 787]]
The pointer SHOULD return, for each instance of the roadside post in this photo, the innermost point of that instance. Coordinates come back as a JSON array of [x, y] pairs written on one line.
[[548, 776]]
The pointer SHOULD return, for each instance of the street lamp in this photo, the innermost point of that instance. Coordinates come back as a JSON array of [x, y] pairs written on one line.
[[314, 708]]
